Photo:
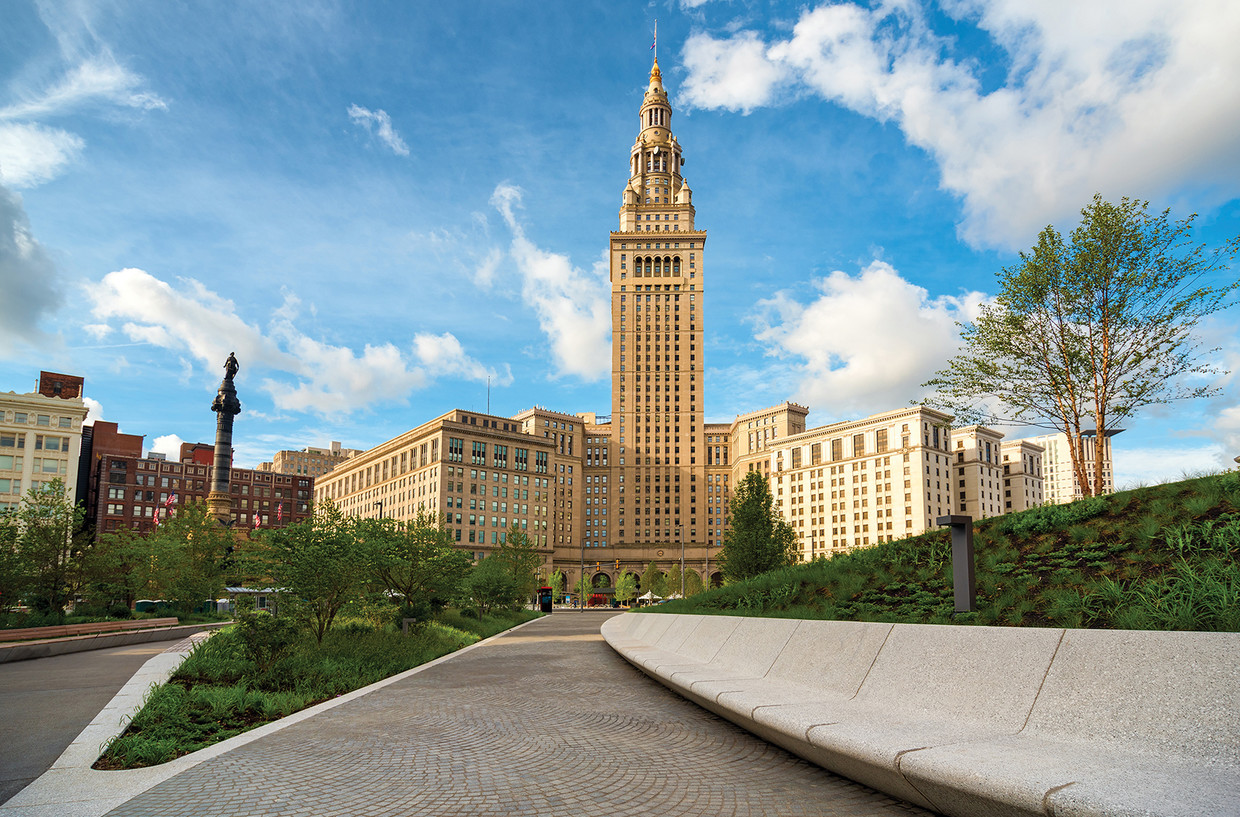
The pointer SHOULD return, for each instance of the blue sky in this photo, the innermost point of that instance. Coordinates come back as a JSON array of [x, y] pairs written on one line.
[[380, 205]]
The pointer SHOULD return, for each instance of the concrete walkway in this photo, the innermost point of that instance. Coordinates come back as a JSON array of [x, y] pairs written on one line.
[[546, 720], [47, 702]]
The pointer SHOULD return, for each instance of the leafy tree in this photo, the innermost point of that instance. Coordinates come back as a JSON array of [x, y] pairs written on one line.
[[188, 552], [416, 560], [693, 583], [1089, 331], [556, 583], [522, 559], [672, 583], [317, 565], [584, 588], [48, 547], [123, 567], [626, 588], [652, 581], [759, 539], [492, 585], [12, 573]]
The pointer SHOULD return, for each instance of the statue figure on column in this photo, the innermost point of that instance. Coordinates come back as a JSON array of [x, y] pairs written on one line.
[[226, 406]]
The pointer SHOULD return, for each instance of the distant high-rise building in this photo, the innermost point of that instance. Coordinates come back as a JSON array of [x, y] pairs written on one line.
[[1060, 482], [314, 462]]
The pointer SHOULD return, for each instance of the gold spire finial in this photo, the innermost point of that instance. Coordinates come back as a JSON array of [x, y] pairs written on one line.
[[655, 74]]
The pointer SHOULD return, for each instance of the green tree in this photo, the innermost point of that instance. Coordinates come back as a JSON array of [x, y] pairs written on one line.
[[522, 559], [626, 588], [653, 581], [583, 588], [317, 565], [693, 583], [13, 576], [123, 567], [758, 540], [48, 546], [1083, 334], [189, 550], [491, 585], [415, 560], [556, 583], [672, 583]]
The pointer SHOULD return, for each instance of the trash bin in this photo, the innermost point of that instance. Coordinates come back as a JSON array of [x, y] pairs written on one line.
[[545, 596]]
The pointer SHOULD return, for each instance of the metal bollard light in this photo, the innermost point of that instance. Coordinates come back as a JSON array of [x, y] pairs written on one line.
[[964, 584]]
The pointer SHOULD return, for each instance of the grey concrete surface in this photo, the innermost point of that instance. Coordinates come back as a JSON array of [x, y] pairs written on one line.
[[976, 721], [544, 720], [46, 703]]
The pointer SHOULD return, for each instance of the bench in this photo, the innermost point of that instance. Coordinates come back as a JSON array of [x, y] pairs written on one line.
[[971, 720], [60, 631]]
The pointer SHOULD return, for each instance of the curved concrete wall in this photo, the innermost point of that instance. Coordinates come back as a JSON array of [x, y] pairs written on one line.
[[971, 721]]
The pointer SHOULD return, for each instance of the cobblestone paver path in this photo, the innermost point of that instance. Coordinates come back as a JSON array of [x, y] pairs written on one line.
[[545, 721]]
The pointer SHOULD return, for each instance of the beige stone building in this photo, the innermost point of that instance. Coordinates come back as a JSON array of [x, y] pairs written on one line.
[[41, 437], [313, 462], [1060, 484]]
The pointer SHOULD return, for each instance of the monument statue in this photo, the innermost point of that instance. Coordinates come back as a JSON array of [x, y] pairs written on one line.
[[226, 406]]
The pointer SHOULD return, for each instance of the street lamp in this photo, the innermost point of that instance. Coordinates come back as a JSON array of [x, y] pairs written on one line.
[[379, 505], [680, 531]]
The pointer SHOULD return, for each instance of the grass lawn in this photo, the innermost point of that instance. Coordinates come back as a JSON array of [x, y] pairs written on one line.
[[1160, 558], [218, 693]]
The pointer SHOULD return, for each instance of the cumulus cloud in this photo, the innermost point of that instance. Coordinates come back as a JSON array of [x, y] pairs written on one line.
[[28, 279], [444, 352], [380, 124], [326, 378], [94, 410], [169, 445], [573, 305], [866, 342], [1094, 101], [735, 74]]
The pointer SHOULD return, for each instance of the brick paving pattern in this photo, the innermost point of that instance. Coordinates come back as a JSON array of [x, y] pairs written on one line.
[[545, 721]]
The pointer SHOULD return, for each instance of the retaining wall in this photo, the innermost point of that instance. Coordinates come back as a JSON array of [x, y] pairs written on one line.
[[23, 650], [971, 721]]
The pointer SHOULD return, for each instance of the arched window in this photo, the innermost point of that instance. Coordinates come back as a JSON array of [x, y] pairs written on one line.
[[676, 265]]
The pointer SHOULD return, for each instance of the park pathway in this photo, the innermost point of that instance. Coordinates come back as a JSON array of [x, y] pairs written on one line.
[[547, 720], [46, 702]]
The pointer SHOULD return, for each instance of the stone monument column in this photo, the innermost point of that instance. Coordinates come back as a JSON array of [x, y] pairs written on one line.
[[226, 406]]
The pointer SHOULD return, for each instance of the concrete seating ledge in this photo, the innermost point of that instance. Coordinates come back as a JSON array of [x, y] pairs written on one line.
[[25, 650], [971, 721]]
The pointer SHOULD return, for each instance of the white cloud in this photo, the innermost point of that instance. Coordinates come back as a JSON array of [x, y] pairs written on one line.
[[169, 445], [735, 74], [32, 154], [97, 79], [379, 123], [573, 305], [867, 342], [445, 353], [328, 379], [94, 410], [1095, 101], [484, 273], [29, 289], [1151, 466]]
